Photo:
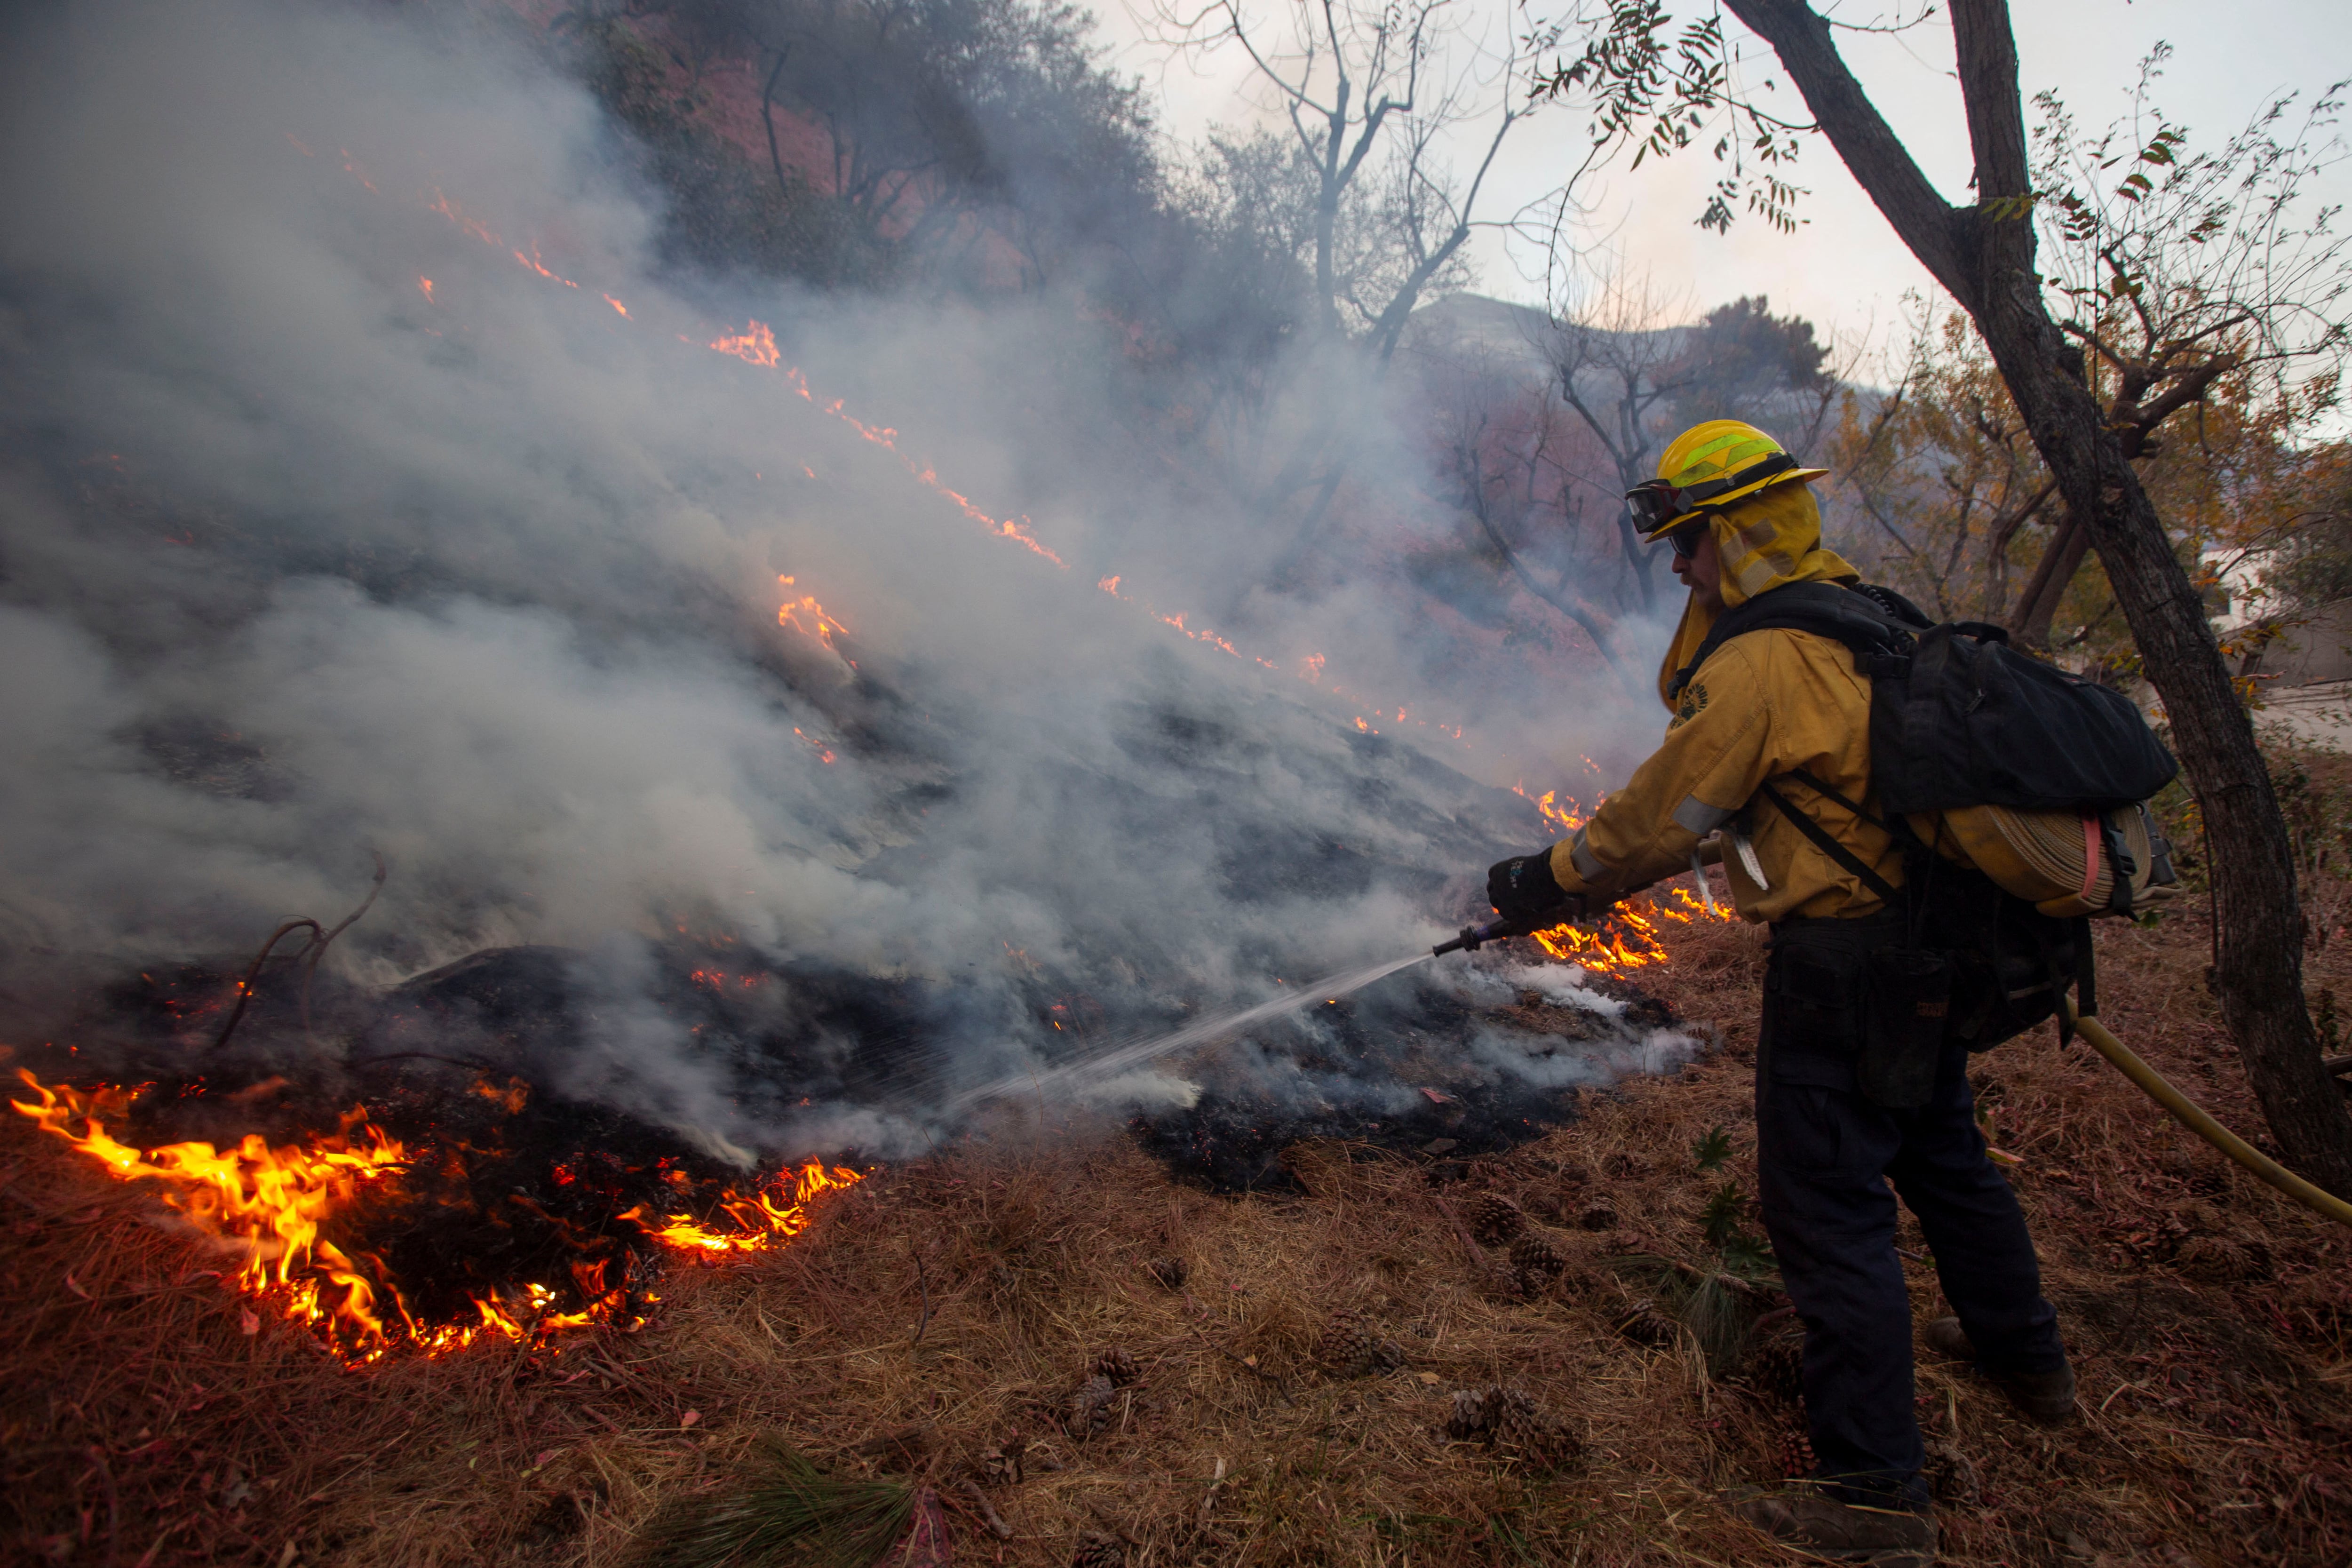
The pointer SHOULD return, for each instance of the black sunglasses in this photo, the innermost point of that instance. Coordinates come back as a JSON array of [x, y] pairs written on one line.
[[1655, 503], [1686, 539]]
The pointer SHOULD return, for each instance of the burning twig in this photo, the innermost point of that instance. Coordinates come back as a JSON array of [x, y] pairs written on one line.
[[244, 986], [318, 950], [312, 952]]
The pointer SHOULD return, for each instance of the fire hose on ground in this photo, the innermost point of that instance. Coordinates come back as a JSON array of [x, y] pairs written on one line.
[[2121, 1057], [2190, 1115]]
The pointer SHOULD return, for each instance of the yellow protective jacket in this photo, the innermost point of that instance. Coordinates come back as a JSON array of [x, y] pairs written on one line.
[[1763, 707]]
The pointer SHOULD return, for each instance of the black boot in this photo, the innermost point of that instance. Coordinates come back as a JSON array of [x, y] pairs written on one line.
[[2047, 1397], [1847, 1532]]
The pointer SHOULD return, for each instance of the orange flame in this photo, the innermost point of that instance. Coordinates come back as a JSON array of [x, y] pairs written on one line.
[[536, 264], [1567, 819], [817, 625], [270, 1204], [756, 345], [761, 1219], [470, 225], [1627, 939], [267, 1203]]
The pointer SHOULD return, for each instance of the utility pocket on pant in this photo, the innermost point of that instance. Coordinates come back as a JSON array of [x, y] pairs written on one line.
[[1905, 999], [1810, 1024]]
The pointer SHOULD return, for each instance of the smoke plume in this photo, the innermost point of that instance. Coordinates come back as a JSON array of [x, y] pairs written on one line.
[[367, 487]]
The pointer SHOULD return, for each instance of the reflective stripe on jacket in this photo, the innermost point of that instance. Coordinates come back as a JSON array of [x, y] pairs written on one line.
[[1764, 705]]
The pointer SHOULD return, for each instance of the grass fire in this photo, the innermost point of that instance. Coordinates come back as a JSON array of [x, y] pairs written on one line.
[[312, 1219], [793, 785]]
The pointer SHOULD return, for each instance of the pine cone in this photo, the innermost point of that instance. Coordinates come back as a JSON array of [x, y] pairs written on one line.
[[1170, 1271], [1537, 1259], [1775, 1369], [1097, 1551], [1350, 1347], [1793, 1458], [1003, 1463], [1118, 1366], [1951, 1476], [1496, 1279], [1088, 1407], [2214, 1259], [1473, 1415], [1495, 1219], [1598, 1218], [1646, 1325], [1527, 1431]]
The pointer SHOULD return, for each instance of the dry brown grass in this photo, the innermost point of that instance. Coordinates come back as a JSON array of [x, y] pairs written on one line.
[[2209, 1317]]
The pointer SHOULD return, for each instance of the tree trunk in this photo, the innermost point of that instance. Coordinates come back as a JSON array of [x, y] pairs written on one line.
[[2038, 605], [768, 117], [1988, 265]]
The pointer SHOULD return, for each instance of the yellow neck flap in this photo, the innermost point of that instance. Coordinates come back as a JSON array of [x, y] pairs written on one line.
[[1764, 540]]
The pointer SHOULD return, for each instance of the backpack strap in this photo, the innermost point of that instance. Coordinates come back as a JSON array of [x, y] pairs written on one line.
[[2086, 977], [1862, 620], [2119, 901], [1897, 606], [1820, 788], [1845, 858]]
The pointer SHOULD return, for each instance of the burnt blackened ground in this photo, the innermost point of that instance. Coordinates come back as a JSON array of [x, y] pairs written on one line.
[[518, 1173], [1398, 1071], [522, 1164]]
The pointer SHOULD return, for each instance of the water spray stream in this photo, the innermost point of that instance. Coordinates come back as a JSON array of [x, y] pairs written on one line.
[[1120, 1059], [1117, 1059]]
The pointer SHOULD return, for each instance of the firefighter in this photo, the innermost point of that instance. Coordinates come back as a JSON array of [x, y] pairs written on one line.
[[1771, 724]]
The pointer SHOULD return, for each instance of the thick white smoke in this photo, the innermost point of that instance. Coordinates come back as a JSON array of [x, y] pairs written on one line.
[[365, 487]]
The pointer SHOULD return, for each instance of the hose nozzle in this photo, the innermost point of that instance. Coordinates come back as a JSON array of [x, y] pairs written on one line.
[[1475, 937]]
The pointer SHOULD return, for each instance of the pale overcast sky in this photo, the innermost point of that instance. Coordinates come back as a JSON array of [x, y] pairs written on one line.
[[1845, 269]]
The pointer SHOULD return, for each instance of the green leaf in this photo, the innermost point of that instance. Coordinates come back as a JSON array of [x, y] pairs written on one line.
[[1712, 1148], [1723, 1215], [1748, 1257]]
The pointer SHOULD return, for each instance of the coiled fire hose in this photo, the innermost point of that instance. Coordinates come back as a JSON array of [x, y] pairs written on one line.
[[2187, 1113]]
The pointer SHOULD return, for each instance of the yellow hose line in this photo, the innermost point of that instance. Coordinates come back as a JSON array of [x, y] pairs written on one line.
[[2185, 1112]]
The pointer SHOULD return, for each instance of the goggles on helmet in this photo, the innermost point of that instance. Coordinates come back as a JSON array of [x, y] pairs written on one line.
[[1656, 503]]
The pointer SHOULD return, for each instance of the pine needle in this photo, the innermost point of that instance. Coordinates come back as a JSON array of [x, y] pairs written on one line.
[[1710, 1302], [783, 1512]]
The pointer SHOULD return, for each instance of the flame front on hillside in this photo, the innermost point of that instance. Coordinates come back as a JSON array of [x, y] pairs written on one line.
[[274, 1205]]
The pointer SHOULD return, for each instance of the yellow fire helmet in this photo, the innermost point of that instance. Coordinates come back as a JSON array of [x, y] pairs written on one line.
[[1708, 467]]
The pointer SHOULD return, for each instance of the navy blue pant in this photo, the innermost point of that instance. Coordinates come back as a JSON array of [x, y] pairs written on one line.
[[1825, 1156]]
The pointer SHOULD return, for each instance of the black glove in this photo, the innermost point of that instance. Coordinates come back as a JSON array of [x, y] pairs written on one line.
[[1522, 891]]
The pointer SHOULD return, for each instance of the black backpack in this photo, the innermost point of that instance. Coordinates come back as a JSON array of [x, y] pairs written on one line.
[[1958, 718]]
